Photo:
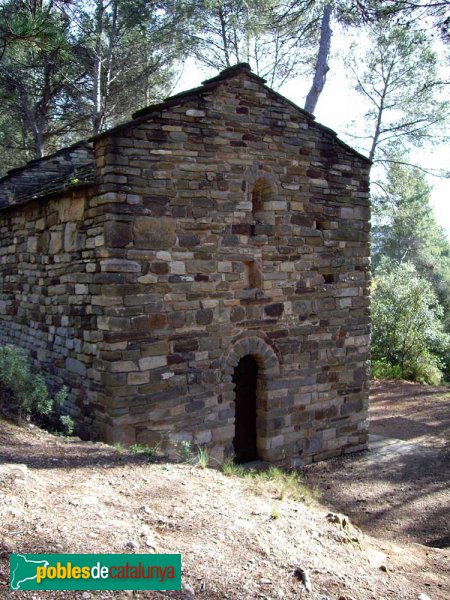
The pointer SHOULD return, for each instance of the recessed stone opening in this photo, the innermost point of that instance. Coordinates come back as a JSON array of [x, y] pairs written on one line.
[[268, 371], [329, 277], [245, 379], [252, 274], [260, 196]]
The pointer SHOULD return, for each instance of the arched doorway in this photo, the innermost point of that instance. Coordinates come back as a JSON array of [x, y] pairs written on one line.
[[245, 378], [267, 372]]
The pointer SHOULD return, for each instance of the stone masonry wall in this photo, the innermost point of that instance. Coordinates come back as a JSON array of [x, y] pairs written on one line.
[[234, 225], [47, 269]]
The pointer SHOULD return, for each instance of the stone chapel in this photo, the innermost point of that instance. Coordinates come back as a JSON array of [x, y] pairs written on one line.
[[199, 273]]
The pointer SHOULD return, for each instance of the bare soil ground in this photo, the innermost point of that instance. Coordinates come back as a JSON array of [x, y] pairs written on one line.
[[67, 496], [400, 488]]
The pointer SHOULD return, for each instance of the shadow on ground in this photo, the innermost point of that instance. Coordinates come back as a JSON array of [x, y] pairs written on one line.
[[71, 455], [400, 487]]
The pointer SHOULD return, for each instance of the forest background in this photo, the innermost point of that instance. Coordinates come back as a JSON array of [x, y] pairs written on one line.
[[374, 70]]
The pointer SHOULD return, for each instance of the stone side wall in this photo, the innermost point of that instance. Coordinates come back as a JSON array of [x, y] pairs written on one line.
[[193, 278], [48, 264]]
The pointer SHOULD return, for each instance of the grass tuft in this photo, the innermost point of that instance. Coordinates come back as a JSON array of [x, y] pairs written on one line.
[[185, 449], [150, 453], [202, 459], [276, 513], [232, 469], [276, 482]]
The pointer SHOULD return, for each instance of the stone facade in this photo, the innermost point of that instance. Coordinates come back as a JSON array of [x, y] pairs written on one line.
[[221, 223]]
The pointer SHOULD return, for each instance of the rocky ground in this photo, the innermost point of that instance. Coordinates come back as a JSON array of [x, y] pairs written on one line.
[[237, 541]]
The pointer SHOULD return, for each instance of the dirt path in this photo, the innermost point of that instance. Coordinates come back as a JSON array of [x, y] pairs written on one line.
[[400, 488]]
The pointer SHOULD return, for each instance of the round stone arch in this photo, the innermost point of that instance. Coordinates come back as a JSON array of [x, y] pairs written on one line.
[[254, 174], [268, 364], [265, 356], [261, 193]]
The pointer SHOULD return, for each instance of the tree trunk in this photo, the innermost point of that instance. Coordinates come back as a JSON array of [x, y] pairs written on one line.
[[98, 60], [223, 29], [376, 134], [321, 68], [42, 112], [107, 67], [39, 140], [380, 107]]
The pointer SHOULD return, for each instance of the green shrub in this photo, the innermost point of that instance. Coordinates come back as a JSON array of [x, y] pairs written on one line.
[[384, 370], [192, 455], [31, 399], [276, 513], [29, 391], [67, 424], [425, 369], [408, 338]]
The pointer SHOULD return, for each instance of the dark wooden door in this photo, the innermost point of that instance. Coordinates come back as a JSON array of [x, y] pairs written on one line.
[[245, 378]]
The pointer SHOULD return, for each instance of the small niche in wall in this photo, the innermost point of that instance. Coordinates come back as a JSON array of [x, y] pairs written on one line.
[[252, 274], [329, 277], [260, 195]]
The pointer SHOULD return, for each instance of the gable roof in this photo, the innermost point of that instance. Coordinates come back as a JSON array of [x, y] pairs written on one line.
[[208, 86], [67, 172]]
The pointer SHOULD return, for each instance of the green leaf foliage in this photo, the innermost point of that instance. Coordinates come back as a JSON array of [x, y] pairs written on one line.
[[29, 391], [405, 230], [407, 328], [398, 77], [71, 69]]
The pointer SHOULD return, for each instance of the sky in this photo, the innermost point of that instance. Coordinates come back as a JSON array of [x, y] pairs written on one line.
[[337, 107]]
